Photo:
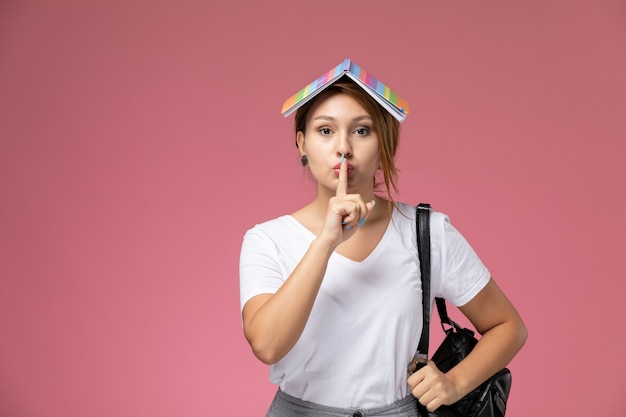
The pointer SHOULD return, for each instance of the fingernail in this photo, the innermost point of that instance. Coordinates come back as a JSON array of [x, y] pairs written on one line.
[[373, 203], [342, 156], [361, 222], [348, 227]]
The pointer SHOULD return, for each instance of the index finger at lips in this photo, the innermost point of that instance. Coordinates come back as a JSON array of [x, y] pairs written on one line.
[[342, 186]]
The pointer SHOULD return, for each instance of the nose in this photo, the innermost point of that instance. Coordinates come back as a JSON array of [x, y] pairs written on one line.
[[343, 145]]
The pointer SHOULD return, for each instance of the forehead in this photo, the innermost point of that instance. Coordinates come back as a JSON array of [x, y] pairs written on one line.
[[337, 105]]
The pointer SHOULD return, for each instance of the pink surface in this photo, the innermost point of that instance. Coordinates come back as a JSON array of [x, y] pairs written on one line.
[[139, 140]]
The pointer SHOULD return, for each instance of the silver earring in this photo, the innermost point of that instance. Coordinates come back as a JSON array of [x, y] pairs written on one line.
[[304, 160]]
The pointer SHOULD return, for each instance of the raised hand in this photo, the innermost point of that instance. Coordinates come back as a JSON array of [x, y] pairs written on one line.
[[346, 212]]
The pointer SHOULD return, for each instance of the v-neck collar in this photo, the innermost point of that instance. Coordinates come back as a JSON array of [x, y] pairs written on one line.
[[371, 255]]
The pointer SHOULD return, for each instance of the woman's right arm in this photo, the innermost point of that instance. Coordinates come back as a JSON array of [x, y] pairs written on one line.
[[273, 323]]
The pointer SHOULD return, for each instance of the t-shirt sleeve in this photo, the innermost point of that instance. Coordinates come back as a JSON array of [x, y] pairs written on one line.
[[463, 274], [259, 269]]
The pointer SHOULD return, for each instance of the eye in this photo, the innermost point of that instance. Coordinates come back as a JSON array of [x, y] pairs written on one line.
[[324, 131], [362, 131]]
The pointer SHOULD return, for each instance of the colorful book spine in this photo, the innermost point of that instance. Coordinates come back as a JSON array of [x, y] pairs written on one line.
[[383, 94]]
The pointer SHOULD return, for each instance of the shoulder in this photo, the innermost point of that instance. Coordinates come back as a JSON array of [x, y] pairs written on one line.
[[271, 227], [405, 212], [281, 235]]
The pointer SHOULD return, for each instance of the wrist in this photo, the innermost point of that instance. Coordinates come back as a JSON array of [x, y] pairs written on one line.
[[461, 385], [323, 246]]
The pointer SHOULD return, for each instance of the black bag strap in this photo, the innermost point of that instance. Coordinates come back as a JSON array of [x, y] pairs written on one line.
[[443, 313], [422, 224]]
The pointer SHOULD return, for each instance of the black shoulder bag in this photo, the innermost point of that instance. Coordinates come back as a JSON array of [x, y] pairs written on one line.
[[489, 399]]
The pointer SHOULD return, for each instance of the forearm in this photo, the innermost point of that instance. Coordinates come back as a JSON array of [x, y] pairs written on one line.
[[494, 351], [276, 325]]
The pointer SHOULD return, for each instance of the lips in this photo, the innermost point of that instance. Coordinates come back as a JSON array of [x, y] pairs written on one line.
[[350, 166], [337, 167]]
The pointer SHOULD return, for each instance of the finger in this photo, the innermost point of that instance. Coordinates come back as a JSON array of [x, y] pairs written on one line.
[[411, 366], [352, 215], [415, 379], [342, 186], [361, 211], [428, 369], [368, 210], [423, 390], [418, 389], [433, 405]]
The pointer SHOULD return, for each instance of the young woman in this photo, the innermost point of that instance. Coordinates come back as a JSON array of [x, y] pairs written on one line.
[[331, 294]]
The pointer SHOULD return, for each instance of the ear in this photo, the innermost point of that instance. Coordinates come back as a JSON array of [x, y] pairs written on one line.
[[300, 142]]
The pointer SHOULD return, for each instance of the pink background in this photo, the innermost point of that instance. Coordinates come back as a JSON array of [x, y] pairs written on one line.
[[140, 139]]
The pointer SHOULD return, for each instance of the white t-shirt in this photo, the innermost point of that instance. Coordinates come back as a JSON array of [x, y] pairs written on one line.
[[366, 321]]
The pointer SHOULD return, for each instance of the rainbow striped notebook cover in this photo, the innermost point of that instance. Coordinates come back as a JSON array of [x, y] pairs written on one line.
[[394, 104]]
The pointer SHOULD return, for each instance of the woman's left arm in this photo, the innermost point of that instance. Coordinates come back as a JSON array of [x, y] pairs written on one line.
[[503, 335]]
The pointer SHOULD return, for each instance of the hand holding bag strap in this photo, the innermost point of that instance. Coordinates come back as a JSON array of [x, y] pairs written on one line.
[[422, 224], [489, 399]]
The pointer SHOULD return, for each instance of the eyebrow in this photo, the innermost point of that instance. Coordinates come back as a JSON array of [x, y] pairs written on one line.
[[356, 119]]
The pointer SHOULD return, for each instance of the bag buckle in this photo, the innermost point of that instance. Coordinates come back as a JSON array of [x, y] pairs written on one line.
[[421, 360]]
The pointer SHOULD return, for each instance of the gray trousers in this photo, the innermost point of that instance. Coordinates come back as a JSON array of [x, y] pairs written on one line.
[[284, 405]]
